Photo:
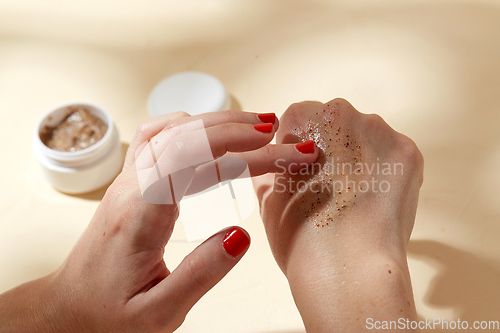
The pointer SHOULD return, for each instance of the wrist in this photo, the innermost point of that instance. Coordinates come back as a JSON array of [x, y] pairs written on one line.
[[31, 307], [345, 285], [344, 298], [349, 241]]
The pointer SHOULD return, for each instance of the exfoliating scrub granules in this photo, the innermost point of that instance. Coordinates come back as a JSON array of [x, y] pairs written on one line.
[[79, 130]]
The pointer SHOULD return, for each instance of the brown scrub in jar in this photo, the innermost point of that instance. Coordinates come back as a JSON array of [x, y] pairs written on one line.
[[79, 130]]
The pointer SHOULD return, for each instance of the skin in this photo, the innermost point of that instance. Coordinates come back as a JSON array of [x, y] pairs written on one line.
[[115, 279], [344, 254]]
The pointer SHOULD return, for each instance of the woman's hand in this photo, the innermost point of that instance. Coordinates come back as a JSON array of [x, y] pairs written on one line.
[[115, 279], [339, 229]]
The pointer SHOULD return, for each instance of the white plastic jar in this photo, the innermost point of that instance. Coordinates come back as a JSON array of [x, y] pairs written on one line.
[[84, 170]]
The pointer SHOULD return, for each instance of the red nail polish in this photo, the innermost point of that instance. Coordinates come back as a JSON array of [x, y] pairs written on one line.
[[267, 117], [264, 128], [305, 147], [235, 241]]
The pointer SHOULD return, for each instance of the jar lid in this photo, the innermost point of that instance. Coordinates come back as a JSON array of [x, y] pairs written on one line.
[[192, 92]]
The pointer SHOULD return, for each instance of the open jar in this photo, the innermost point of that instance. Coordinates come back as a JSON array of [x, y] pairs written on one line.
[[83, 170]]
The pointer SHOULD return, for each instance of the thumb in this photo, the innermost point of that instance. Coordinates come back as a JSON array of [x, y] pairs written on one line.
[[203, 268]]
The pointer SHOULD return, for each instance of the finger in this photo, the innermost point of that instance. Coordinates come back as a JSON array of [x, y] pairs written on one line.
[[189, 150], [195, 145], [147, 130], [230, 116], [200, 271], [217, 131], [209, 174], [232, 137], [162, 179], [271, 158], [279, 158]]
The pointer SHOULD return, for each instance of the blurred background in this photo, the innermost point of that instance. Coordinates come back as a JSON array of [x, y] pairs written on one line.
[[429, 68]]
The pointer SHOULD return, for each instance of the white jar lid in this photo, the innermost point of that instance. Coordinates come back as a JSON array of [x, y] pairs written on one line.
[[192, 92]]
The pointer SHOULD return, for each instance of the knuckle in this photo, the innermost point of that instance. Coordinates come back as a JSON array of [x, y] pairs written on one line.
[[295, 107], [147, 125], [173, 157], [340, 103], [342, 108], [410, 150], [375, 126], [375, 121], [171, 125], [268, 154], [230, 116], [411, 156], [176, 146], [298, 108], [143, 128], [177, 118], [181, 114], [172, 130]]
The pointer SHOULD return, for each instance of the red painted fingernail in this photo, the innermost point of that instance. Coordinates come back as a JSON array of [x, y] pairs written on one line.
[[235, 241], [305, 147], [264, 128], [267, 117]]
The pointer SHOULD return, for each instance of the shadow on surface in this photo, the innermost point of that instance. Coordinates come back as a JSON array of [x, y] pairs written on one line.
[[465, 282]]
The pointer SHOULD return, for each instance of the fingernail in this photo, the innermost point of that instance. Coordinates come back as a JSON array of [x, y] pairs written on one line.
[[267, 117], [235, 241], [264, 128], [305, 147]]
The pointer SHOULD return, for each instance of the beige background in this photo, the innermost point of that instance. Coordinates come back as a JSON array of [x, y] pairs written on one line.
[[430, 68]]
